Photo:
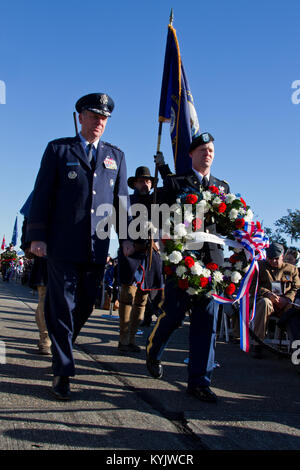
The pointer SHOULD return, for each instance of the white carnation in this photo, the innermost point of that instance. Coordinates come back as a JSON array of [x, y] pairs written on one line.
[[180, 270], [217, 200], [207, 195], [188, 216], [203, 205], [238, 265], [175, 257], [235, 277], [230, 198], [233, 214], [197, 269], [249, 216], [206, 272], [218, 276], [180, 230], [164, 256]]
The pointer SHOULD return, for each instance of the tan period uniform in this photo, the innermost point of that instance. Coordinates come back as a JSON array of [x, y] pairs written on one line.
[[288, 277]]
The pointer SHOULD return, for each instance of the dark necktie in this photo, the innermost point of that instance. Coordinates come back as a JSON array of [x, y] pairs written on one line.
[[204, 182], [89, 150]]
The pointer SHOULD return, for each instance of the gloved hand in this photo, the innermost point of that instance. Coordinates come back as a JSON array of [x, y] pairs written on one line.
[[159, 159]]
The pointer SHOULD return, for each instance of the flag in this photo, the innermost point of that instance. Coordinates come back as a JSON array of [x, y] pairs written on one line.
[[15, 233], [3, 243], [177, 104]]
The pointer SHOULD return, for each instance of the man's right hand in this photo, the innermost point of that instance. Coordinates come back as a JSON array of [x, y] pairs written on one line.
[[38, 248], [273, 297]]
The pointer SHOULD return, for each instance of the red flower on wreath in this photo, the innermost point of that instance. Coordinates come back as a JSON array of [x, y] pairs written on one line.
[[258, 225], [239, 223], [203, 281], [191, 199], [230, 289], [212, 266], [222, 207], [214, 189], [168, 270], [197, 223], [189, 261], [183, 283]]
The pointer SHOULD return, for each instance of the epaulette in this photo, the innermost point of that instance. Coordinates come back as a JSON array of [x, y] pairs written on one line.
[[111, 145], [224, 181]]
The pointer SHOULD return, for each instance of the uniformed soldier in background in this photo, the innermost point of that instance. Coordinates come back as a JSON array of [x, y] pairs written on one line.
[[277, 287], [77, 175], [204, 311]]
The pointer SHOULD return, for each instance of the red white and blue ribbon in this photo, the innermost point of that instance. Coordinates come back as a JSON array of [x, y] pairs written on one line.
[[254, 241]]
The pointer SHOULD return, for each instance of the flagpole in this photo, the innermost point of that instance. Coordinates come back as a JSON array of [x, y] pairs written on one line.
[[156, 165]]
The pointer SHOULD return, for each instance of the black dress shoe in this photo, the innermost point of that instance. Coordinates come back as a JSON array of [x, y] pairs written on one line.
[[203, 394], [61, 387], [154, 367]]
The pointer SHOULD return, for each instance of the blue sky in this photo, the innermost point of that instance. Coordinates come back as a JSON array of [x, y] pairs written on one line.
[[241, 58]]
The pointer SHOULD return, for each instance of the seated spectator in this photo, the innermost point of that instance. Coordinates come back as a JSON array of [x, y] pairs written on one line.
[[277, 287]]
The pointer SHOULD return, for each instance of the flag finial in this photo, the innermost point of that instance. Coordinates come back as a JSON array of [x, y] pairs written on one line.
[[171, 17]]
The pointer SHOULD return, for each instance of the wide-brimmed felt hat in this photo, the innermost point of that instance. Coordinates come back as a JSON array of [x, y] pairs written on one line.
[[140, 172]]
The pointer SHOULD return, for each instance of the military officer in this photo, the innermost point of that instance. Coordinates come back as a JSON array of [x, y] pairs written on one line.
[[204, 311], [278, 284], [77, 175], [137, 278]]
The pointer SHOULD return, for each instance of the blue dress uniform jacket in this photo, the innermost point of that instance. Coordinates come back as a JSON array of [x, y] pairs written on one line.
[[68, 193], [203, 310]]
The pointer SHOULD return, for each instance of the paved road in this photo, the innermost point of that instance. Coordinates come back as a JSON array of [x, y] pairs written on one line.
[[117, 406]]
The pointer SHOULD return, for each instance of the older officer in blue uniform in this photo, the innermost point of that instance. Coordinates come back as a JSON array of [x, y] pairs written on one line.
[[204, 312], [77, 175]]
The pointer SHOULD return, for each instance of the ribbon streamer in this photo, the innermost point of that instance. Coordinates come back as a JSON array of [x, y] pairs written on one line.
[[254, 241]]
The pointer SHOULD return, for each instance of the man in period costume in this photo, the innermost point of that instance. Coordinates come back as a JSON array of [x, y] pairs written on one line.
[[137, 278]]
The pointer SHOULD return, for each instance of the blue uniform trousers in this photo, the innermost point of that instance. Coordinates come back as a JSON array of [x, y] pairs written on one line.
[[202, 332], [71, 294]]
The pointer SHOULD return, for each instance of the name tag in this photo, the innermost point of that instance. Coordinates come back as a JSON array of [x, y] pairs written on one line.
[[73, 163], [110, 163]]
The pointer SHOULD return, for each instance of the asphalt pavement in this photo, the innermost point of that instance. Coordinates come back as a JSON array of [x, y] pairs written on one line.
[[116, 406]]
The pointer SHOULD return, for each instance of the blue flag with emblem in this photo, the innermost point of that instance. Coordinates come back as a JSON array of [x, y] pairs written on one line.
[[177, 104], [15, 233]]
